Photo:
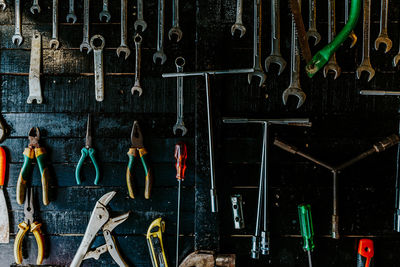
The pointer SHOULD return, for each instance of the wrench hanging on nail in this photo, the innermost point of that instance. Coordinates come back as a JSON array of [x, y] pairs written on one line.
[[35, 91], [179, 125], [332, 64], [140, 21], [175, 30], [85, 41], [98, 67], [383, 37], [238, 26], [123, 47], [105, 13], [35, 7], [312, 22], [54, 43], [17, 38], [352, 35], [137, 87], [71, 12]]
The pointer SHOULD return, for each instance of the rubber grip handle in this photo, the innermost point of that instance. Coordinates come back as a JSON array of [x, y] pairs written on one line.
[[132, 154], [364, 262], [149, 174], [3, 162], [37, 232], [40, 154], [23, 228], [26, 169], [84, 154], [96, 166]]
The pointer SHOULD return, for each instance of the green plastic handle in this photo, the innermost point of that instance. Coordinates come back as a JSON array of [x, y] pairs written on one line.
[[306, 226], [87, 152], [129, 172], [26, 170], [149, 174], [40, 154], [96, 166]]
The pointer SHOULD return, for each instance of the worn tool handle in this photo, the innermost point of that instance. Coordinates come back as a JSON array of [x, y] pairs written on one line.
[[149, 173], [306, 226], [26, 169], [23, 228], [132, 154], [40, 154], [84, 154], [3, 165], [284, 146], [365, 253], [96, 166], [180, 156]]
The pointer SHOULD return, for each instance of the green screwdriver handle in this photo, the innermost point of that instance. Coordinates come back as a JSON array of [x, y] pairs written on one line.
[[306, 226]]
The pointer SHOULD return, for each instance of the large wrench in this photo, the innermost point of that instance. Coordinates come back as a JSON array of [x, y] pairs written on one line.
[[175, 22], [105, 13], [258, 71], [85, 41], [312, 22], [332, 64], [3, 5], [383, 37], [71, 12], [366, 61], [17, 38], [123, 47], [137, 87], [179, 125], [352, 35], [35, 91], [238, 26], [35, 7], [139, 20], [159, 54], [54, 43], [98, 67], [294, 86], [275, 56]]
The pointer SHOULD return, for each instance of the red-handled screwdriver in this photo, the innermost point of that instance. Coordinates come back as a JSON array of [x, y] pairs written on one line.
[[365, 253], [180, 156]]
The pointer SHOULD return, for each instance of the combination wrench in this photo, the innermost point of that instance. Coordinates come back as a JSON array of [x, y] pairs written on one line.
[[179, 125], [332, 64], [383, 37], [71, 11], [137, 87], [123, 47], [159, 54], [35, 7], [175, 30], [105, 13], [396, 58], [17, 38], [238, 26], [258, 71], [54, 43], [3, 5], [98, 67], [35, 91], [275, 56], [85, 41], [366, 61], [312, 22], [352, 35], [139, 20]]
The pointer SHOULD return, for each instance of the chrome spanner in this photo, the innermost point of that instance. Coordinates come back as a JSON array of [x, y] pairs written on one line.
[[71, 11], [17, 38], [139, 20], [175, 30], [85, 41], [3, 5], [159, 54], [54, 43], [383, 37], [275, 56], [312, 22], [137, 87], [123, 47], [238, 26], [179, 125], [105, 13], [332, 64], [35, 7], [98, 67], [352, 35], [35, 91]]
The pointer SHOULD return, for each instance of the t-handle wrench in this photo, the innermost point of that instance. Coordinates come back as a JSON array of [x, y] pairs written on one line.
[[159, 54], [35, 7], [123, 47], [312, 22], [105, 13], [17, 38], [71, 11], [332, 64], [98, 67], [140, 21], [85, 41], [175, 30], [383, 37], [238, 26], [179, 125], [137, 87], [54, 43]]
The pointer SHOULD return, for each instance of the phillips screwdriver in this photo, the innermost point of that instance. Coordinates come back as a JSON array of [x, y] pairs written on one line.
[[180, 156], [306, 227], [365, 253]]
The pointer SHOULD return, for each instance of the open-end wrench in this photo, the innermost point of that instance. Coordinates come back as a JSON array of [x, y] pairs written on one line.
[[98, 67], [137, 87], [179, 125], [383, 37], [123, 47], [332, 64], [258, 71], [238, 26], [35, 7], [85, 41], [71, 11], [294, 88], [35, 91], [366, 61], [17, 38], [352, 35], [105, 13], [54, 43], [3, 5], [159, 54], [139, 20], [396, 58], [312, 22], [175, 30], [275, 56]]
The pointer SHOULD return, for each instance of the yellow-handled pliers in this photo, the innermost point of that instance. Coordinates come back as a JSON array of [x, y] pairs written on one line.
[[29, 223]]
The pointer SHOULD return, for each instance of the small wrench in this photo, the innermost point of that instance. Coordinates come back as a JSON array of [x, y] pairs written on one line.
[[35, 91], [175, 22], [54, 43], [85, 41], [35, 7], [137, 87], [71, 12], [123, 47], [98, 67], [3, 5], [140, 21], [396, 58], [332, 64], [312, 22], [275, 56], [366, 61], [238, 26], [104, 12], [258, 71], [294, 88], [159, 54], [17, 38], [179, 125], [383, 37], [352, 35]]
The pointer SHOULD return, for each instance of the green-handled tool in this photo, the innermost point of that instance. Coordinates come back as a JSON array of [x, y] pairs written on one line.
[[306, 227]]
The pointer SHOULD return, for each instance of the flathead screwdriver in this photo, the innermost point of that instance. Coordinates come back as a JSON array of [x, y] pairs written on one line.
[[307, 231]]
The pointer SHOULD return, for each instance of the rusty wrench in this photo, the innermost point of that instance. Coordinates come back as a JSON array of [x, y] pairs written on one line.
[[312, 22], [238, 26], [352, 35], [332, 64], [17, 38], [140, 21], [123, 47], [35, 7], [71, 11], [396, 58], [98, 67], [85, 41], [175, 22], [54, 43], [105, 13], [383, 37], [179, 125], [159, 54], [137, 87]]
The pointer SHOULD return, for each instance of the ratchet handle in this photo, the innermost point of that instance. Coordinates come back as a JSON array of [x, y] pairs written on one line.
[[365, 253], [180, 156], [3, 161]]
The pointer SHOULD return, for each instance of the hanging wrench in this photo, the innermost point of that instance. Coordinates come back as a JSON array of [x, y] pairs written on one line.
[[238, 26], [71, 12], [175, 22], [35, 91], [159, 54], [383, 37], [332, 64], [17, 38], [104, 12], [366, 61], [140, 21], [275, 56], [123, 47], [179, 125], [3, 5], [54, 43], [294, 88], [312, 22], [85, 41], [35, 7], [352, 35], [136, 86], [98, 67], [396, 58], [258, 71]]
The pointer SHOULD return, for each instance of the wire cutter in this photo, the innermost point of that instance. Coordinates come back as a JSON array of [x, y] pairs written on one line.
[[33, 151], [29, 223], [87, 150], [137, 149]]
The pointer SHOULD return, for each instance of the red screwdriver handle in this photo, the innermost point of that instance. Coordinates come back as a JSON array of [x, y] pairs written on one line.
[[2, 165], [180, 156], [365, 253]]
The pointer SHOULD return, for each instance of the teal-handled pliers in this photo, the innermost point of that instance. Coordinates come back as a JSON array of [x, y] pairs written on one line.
[[87, 150]]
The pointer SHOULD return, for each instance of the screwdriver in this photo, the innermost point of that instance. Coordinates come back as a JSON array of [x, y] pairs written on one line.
[[180, 156], [306, 228], [365, 253]]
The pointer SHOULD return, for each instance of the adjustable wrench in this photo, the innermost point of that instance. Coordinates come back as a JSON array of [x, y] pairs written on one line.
[[179, 125], [3, 5], [352, 35], [159, 54], [35, 7], [383, 37], [294, 86], [258, 71], [332, 64], [312, 22], [140, 21], [105, 13], [71, 12], [85, 41], [98, 67], [275, 56], [136, 86], [175, 22], [238, 26], [17, 38], [366, 61], [123, 47], [35, 91], [54, 43]]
